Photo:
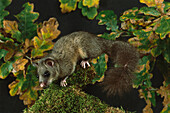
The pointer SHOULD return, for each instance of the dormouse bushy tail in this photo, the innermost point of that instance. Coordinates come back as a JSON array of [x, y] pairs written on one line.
[[124, 59]]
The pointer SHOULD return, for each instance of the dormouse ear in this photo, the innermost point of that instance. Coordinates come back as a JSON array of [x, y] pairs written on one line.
[[49, 62]]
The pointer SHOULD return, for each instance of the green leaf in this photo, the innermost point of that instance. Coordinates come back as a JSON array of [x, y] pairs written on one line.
[[111, 36], [164, 27], [153, 99], [150, 11], [91, 12], [143, 37], [4, 39], [156, 51], [3, 53], [5, 69], [167, 6], [26, 21], [100, 67], [3, 13], [25, 86], [142, 74], [31, 79], [40, 47], [166, 53], [130, 14], [108, 18]]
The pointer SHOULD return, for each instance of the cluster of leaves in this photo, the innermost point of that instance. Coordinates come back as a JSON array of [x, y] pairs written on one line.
[[88, 7], [69, 100], [19, 46], [150, 32]]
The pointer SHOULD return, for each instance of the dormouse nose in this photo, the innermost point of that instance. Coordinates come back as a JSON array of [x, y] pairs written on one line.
[[43, 84]]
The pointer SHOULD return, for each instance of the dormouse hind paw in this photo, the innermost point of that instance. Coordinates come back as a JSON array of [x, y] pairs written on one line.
[[83, 64]]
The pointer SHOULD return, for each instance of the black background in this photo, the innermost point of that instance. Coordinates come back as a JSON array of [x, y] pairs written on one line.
[[71, 22]]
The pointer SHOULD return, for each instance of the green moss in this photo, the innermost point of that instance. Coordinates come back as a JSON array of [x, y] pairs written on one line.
[[71, 99], [81, 77], [56, 99]]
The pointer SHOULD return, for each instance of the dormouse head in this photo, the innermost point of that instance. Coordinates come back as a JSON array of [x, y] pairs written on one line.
[[48, 71]]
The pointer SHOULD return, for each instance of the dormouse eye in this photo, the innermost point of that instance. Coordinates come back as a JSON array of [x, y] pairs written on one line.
[[46, 74]]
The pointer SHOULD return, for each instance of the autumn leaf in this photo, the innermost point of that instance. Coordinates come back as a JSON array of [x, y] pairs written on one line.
[[148, 108], [164, 91], [24, 86], [49, 30], [130, 14], [12, 28], [20, 64], [91, 3], [46, 34], [152, 3], [40, 47], [135, 42], [68, 5]]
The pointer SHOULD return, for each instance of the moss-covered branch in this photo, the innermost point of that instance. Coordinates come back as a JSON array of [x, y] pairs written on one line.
[[56, 99]]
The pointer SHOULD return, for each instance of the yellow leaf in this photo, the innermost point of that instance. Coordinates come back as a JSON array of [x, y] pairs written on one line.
[[149, 3], [94, 61], [27, 43], [10, 26], [37, 42], [154, 3], [148, 108], [135, 42], [140, 68], [65, 8], [20, 64], [49, 30], [91, 3], [26, 98], [164, 91], [12, 86], [69, 6], [147, 66]]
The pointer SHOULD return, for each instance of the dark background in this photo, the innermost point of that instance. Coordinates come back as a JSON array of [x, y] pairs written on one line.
[[71, 22]]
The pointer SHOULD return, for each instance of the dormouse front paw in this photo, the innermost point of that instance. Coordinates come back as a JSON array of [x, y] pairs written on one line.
[[83, 64]]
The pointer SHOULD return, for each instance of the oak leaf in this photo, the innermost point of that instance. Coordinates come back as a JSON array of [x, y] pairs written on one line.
[[68, 5], [20, 64], [91, 3], [46, 34]]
